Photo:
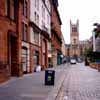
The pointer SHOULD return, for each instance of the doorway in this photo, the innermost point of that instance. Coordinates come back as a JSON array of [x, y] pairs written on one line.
[[13, 55], [24, 60]]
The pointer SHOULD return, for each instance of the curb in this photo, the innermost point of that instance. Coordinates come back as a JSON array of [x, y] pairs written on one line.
[[55, 91]]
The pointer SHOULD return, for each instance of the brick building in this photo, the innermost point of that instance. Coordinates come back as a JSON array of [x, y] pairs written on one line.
[[14, 17], [56, 35], [25, 36]]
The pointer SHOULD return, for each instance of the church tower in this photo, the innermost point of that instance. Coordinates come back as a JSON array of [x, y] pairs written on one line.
[[74, 39], [74, 33]]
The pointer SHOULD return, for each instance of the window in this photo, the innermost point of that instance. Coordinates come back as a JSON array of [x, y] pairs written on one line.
[[74, 29], [6, 7], [25, 8], [24, 32], [10, 9], [36, 58], [36, 18], [36, 38], [43, 12], [37, 4]]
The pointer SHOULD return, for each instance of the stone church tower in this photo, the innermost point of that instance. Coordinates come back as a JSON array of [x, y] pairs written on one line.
[[74, 39], [74, 33]]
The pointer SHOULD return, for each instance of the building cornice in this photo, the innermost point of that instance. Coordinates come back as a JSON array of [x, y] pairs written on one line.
[[34, 26]]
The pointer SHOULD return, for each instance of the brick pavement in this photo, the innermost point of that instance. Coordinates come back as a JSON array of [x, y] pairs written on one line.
[[81, 83], [31, 87]]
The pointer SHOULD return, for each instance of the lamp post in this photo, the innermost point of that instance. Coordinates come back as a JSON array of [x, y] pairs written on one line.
[[94, 46], [93, 34]]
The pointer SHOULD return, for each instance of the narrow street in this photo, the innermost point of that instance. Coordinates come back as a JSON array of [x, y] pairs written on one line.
[[81, 83]]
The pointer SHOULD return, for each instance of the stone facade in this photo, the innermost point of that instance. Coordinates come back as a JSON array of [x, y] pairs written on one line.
[[73, 48], [76, 47], [40, 32], [56, 34]]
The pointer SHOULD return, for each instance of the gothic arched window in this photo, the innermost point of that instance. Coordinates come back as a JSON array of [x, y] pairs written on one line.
[[74, 29]]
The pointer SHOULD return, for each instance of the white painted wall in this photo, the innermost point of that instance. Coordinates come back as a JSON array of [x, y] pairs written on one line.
[[39, 11]]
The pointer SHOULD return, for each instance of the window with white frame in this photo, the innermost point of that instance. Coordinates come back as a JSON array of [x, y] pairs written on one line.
[[36, 38], [37, 4], [36, 18], [43, 12]]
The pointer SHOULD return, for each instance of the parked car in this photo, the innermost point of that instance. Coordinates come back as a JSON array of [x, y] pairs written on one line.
[[73, 61]]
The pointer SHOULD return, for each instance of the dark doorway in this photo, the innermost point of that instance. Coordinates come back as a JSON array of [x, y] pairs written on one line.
[[13, 55], [36, 58]]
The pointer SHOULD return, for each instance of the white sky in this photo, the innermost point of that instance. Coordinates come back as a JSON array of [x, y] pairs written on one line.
[[87, 11]]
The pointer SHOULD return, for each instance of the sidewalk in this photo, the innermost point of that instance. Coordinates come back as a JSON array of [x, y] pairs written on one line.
[[31, 86]]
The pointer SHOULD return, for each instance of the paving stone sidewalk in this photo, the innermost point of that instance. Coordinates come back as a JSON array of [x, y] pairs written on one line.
[[31, 86]]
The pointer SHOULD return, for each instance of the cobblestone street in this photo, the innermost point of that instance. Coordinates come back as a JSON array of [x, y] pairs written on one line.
[[81, 83]]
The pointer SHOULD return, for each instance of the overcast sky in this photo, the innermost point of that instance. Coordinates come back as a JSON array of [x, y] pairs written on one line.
[[87, 11]]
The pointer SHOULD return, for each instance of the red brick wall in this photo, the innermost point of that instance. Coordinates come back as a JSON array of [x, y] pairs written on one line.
[[56, 29], [7, 25], [44, 44]]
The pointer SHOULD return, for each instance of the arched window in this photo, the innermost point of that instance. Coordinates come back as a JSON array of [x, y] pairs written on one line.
[[74, 29]]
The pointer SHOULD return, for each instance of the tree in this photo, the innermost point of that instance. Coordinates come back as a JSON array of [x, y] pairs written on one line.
[[89, 54]]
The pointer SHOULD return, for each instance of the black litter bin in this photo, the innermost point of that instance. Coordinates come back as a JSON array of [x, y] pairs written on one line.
[[49, 77]]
